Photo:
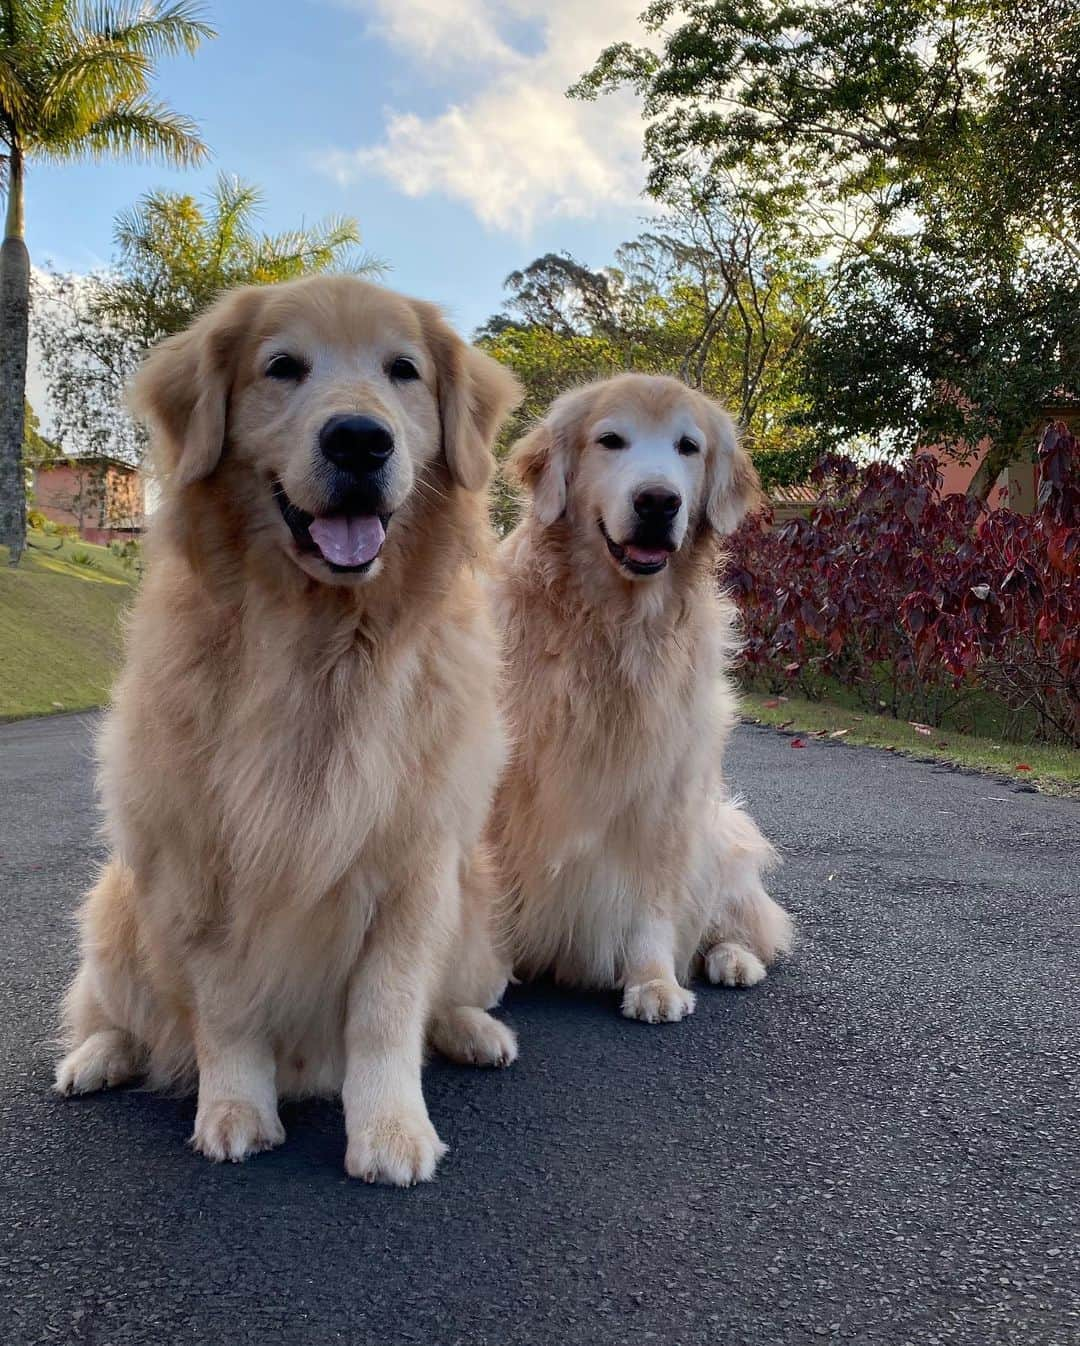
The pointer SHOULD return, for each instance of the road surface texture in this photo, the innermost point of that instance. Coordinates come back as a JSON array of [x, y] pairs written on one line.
[[880, 1144]]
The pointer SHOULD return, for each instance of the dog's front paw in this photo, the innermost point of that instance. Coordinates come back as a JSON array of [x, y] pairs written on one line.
[[399, 1150], [731, 964], [233, 1128], [658, 1002]]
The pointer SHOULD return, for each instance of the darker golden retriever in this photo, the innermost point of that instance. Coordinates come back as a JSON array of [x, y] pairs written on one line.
[[305, 738]]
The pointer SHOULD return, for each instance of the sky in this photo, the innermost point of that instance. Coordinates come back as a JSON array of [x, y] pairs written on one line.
[[442, 126]]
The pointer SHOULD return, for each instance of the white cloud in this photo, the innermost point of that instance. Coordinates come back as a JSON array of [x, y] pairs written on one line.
[[511, 146]]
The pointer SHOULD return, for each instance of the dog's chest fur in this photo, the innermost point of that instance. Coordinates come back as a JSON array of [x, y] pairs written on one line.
[[617, 727]]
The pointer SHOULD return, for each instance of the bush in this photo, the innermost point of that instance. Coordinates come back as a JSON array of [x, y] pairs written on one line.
[[82, 558], [921, 604], [36, 520]]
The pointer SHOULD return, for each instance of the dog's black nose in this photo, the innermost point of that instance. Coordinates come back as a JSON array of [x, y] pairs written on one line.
[[657, 504], [356, 444]]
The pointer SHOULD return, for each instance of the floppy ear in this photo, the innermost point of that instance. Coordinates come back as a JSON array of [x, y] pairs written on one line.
[[733, 486], [538, 462], [182, 389], [475, 395], [541, 461]]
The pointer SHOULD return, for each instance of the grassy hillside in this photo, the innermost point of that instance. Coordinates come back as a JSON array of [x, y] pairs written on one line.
[[60, 614]]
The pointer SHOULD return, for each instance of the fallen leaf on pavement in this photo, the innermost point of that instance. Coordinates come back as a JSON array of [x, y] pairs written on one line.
[[786, 724], [1022, 766], [798, 743], [839, 733]]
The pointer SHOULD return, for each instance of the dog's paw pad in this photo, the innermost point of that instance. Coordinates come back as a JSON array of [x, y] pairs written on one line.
[[400, 1151], [103, 1061], [733, 965], [658, 1002], [231, 1129]]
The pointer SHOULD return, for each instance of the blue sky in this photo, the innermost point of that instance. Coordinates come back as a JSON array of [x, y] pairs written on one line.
[[439, 124]]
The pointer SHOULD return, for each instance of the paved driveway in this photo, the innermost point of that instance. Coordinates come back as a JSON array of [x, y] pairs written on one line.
[[881, 1144]]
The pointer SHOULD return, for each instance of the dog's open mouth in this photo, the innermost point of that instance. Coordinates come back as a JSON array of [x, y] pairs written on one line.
[[348, 543], [638, 560]]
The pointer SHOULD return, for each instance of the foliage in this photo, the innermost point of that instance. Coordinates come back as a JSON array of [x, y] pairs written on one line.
[[919, 602], [934, 342], [75, 79], [176, 254], [924, 157], [36, 448]]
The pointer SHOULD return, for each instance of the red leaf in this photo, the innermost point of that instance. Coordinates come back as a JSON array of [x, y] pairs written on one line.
[[1022, 766], [798, 743], [772, 704]]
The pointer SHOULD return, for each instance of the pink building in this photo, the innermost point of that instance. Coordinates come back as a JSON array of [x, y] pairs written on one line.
[[102, 497]]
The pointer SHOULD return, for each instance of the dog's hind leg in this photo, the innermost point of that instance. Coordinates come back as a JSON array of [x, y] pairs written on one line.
[[476, 977], [747, 931], [104, 1053]]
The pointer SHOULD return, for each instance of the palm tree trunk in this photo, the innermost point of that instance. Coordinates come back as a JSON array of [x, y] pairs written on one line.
[[14, 331]]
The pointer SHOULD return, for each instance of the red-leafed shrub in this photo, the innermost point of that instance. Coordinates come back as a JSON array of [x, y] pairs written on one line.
[[920, 603]]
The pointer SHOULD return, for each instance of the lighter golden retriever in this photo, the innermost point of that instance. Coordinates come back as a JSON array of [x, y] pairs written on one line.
[[625, 862], [305, 738]]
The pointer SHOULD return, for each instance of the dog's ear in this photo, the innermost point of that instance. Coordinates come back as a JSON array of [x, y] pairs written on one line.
[[538, 462], [476, 394], [541, 460], [733, 488], [182, 389]]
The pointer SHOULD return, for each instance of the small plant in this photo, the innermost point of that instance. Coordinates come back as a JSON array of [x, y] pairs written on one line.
[[36, 520], [128, 554], [82, 558]]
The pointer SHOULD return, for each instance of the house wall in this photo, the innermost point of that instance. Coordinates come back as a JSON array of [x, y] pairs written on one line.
[[102, 505]]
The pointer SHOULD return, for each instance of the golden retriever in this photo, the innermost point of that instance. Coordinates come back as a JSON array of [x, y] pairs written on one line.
[[624, 860], [305, 738]]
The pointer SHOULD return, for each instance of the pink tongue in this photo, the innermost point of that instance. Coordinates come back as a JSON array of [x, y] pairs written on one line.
[[645, 557], [348, 540]]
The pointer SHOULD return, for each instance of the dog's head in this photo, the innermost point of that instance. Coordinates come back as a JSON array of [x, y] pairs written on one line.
[[336, 407], [639, 465]]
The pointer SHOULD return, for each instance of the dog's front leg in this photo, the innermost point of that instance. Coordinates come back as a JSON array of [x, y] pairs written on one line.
[[237, 1113], [390, 1136], [651, 988]]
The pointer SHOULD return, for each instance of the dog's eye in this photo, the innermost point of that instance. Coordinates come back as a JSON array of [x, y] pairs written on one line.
[[287, 368], [403, 370], [687, 446], [611, 440]]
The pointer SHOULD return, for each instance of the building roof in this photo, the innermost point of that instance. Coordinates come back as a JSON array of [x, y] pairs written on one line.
[[82, 459]]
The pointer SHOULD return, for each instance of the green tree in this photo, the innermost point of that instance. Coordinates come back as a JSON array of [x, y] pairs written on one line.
[[175, 255], [36, 448], [923, 156], [74, 83]]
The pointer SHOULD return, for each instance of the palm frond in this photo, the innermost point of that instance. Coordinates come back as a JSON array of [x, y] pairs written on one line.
[[92, 76], [144, 129], [14, 95], [150, 29]]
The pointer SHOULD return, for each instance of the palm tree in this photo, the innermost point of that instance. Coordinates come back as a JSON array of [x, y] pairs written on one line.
[[177, 254], [74, 83]]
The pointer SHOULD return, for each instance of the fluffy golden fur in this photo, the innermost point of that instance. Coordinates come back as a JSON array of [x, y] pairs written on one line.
[[625, 861], [299, 761]]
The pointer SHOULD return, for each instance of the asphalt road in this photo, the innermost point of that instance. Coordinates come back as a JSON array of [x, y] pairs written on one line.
[[880, 1144]]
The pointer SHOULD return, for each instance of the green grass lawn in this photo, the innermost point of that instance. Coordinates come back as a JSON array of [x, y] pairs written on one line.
[[60, 626], [1053, 769]]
